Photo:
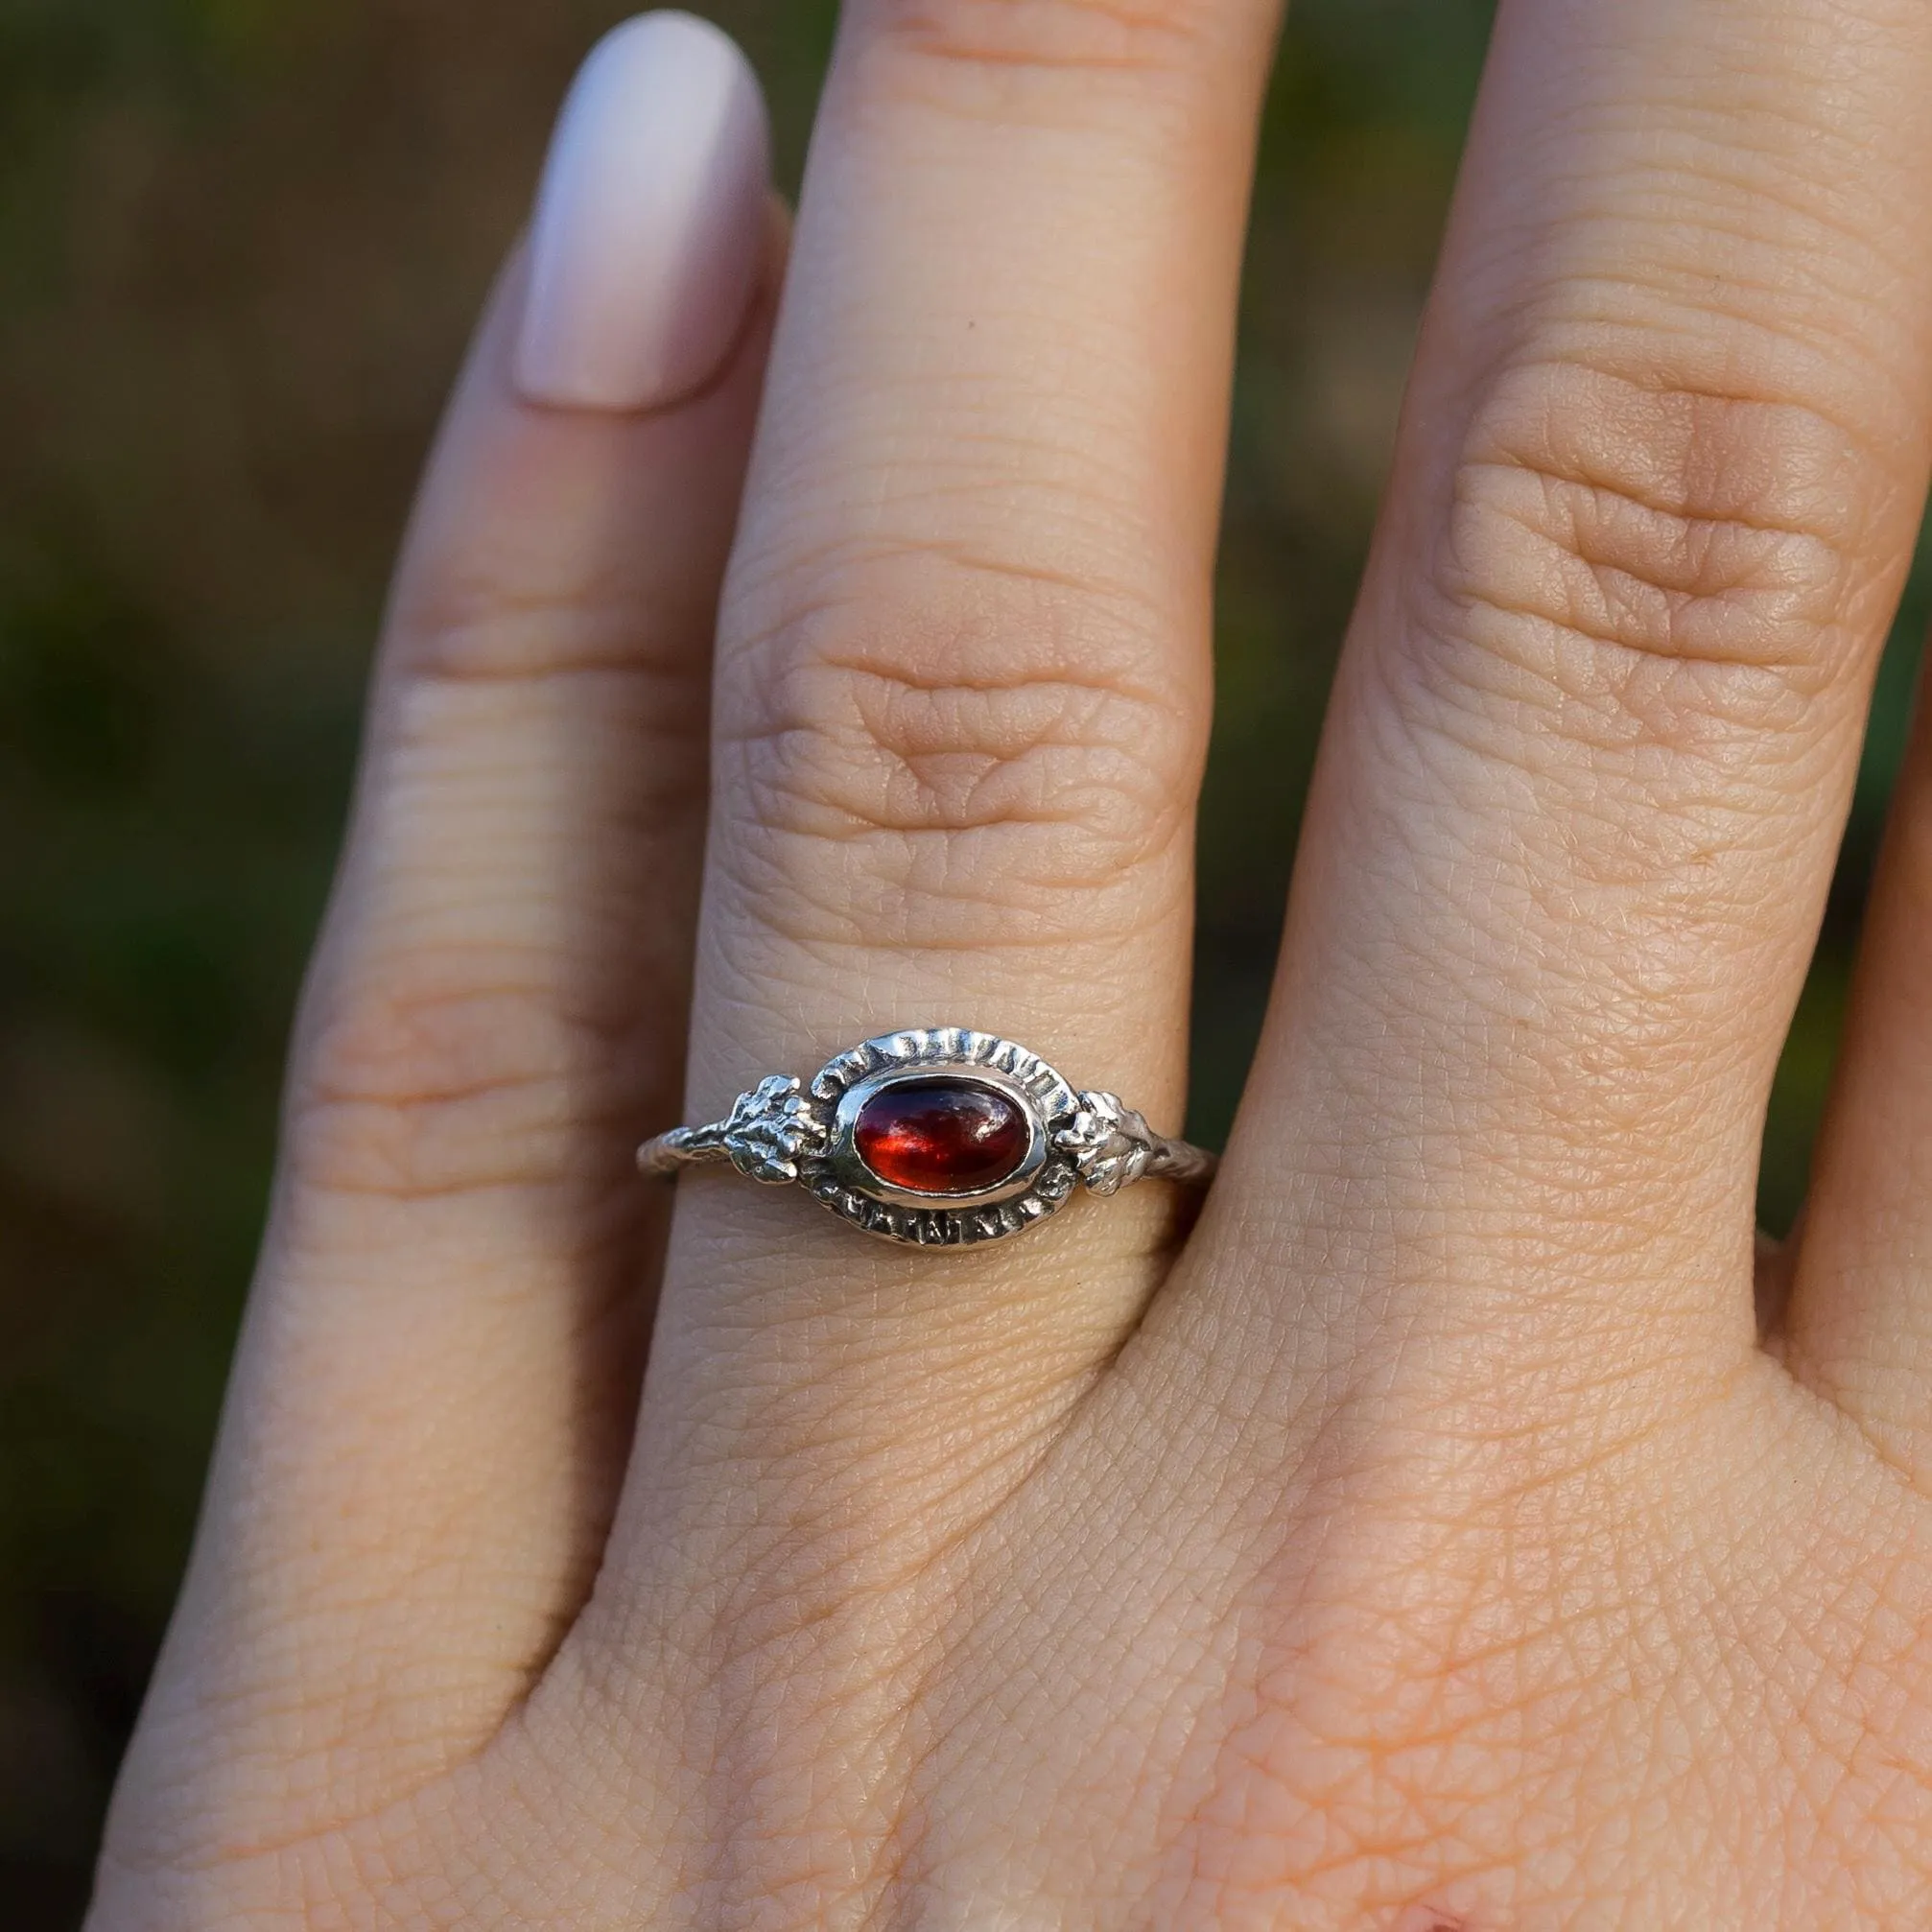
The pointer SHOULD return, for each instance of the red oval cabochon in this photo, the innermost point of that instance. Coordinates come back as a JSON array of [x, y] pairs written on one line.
[[942, 1136]]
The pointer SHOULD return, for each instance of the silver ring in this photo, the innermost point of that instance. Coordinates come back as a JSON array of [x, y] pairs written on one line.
[[938, 1137]]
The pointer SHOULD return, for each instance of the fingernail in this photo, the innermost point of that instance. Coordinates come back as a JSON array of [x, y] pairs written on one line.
[[650, 221]]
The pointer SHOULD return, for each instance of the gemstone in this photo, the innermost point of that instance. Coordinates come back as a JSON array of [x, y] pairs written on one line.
[[942, 1136]]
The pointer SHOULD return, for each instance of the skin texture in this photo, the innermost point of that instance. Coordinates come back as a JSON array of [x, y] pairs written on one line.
[[1427, 1541]]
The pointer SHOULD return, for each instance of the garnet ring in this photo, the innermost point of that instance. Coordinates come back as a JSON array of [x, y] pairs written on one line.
[[938, 1137]]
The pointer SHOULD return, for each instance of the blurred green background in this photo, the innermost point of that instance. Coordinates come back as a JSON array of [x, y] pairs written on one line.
[[240, 244]]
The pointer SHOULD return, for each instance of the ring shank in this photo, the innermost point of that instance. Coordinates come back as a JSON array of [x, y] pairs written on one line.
[[664, 1154], [1183, 1162]]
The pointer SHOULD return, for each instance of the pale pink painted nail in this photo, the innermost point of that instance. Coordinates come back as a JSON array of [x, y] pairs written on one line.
[[651, 223]]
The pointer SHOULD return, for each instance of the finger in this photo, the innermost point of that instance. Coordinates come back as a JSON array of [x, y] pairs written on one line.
[[962, 690], [437, 1381], [1858, 1324], [1592, 742], [960, 707]]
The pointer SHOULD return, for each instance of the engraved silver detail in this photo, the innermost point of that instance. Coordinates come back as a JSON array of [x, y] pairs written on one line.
[[1110, 1144], [775, 1131]]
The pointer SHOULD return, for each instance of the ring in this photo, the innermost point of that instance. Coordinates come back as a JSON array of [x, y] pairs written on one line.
[[938, 1137]]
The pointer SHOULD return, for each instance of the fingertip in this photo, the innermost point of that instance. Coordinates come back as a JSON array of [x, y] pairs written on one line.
[[652, 233]]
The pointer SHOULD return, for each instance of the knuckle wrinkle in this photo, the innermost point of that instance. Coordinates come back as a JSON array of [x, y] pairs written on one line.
[[1075, 35], [427, 1089], [1652, 549], [984, 750]]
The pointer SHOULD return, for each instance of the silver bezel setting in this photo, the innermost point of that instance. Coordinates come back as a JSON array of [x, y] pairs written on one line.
[[839, 1178], [853, 1170]]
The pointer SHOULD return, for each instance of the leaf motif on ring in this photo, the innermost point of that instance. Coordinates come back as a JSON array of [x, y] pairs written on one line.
[[773, 1130], [1110, 1144]]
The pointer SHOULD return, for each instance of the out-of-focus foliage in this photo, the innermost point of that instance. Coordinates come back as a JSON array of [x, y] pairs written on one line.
[[240, 244]]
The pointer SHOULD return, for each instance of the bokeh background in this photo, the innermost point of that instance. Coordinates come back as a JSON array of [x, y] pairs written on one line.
[[240, 241]]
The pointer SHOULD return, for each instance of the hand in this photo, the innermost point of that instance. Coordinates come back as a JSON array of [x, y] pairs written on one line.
[[1428, 1539]]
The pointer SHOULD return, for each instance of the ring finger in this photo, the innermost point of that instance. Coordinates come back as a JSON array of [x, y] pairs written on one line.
[[962, 700], [963, 684]]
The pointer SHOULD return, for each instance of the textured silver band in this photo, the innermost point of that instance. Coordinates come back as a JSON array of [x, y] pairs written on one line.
[[787, 1130]]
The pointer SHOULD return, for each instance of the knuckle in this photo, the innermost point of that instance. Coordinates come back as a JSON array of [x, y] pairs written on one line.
[[424, 1082], [1017, 36], [540, 576], [963, 738], [474, 626], [1651, 560]]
